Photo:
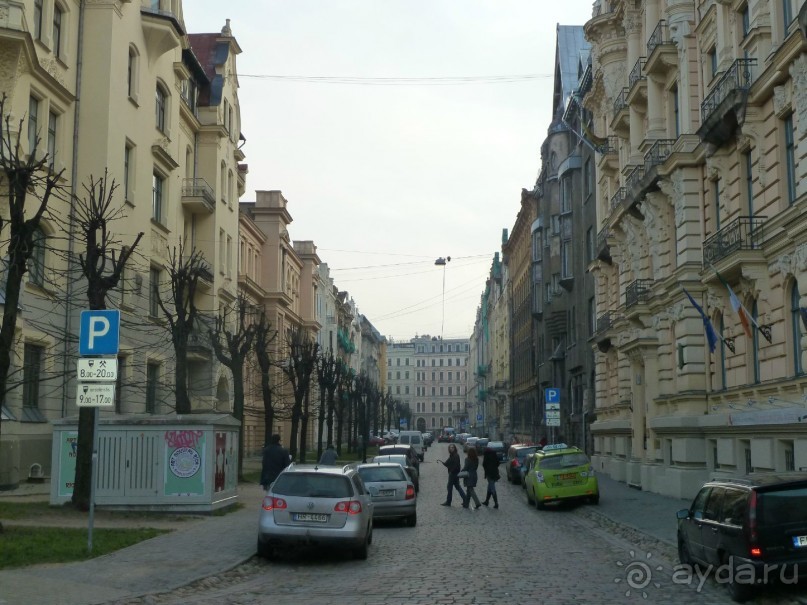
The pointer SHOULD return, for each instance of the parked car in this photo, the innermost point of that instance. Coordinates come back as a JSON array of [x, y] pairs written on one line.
[[375, 440], [516, 456], [413, 438], [319, 506], [407, 450], [392, 491], [428, 439], [403, 461], [756, 524], [469, 443], [560, 473], [499, 448], [481, 444]]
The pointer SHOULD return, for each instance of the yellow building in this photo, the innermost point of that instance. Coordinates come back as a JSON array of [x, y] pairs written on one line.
[[121, 86], [705, 104]]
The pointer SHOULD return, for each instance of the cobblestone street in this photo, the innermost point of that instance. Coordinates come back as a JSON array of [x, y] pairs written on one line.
[[516, 554]]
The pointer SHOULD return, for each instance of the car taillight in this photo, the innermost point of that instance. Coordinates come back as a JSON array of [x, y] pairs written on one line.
[[756, 551], [272, 503], [410, 492], [351, 507], [514, 462], [752, 520]]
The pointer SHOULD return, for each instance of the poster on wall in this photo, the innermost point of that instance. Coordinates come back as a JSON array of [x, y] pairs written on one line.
[[221, 462], [232, 462], [68, 444], [184, 463]]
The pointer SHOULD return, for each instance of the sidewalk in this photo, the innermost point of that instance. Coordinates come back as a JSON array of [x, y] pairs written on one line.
[[219, 543]]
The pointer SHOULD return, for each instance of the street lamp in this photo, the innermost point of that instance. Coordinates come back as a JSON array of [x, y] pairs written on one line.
[[443, 262]]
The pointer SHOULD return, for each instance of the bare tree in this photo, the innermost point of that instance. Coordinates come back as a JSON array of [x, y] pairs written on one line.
[[329, 372], [102, 267], [303, 352], [184, 273], [265, 336], [232, 340], [21, 178]]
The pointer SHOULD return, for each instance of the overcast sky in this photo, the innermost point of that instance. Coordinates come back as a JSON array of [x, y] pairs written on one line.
[[352, 109]]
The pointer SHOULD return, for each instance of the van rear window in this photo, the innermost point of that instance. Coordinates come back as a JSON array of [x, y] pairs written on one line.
[[312, 485], [783, 506]]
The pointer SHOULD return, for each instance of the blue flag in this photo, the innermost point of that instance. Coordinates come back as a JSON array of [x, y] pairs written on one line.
[[711, 335]]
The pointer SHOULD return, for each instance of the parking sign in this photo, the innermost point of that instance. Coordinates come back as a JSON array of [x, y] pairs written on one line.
[[552, 395], [99, 332]]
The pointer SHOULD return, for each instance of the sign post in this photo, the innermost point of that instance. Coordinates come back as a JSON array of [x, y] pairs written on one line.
[[552, 410], [99, 334]]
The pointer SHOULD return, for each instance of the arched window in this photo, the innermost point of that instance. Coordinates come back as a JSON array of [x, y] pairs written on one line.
[[132, 73], [36, 264], [161, 109], [796, 328]]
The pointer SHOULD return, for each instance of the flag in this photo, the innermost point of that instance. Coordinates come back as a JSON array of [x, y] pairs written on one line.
[[745, 317], [711, 335]]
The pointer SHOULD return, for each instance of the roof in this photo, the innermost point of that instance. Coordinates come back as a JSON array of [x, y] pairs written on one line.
[[571, 56], [212, 51]]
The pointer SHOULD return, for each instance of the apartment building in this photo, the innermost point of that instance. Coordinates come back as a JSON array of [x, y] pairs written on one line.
[[699, 202], [442, 379], [400, 374], [150, 104]]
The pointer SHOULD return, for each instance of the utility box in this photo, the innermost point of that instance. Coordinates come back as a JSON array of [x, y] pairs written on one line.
[[174, 463]]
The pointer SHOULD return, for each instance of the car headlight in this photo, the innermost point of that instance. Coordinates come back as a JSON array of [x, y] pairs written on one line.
[[539, 476]]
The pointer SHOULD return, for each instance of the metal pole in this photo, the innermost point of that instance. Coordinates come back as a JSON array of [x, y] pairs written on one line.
[[443, 322], [93, 474]]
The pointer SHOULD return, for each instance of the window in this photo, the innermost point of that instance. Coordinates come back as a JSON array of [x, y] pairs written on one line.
[[154, 292], [33, 117], [127, 173], [587, 178], [745, 21], [57, 30], [31, 377], [565, 196], [796, 320], [36, 264], [152, 376], [790, 159], [713, 62], [566, 259], [676, 112], [160, 106], [787, 14], [131, 74], [592, 316], [590, 244], [157, 192], [749, 182], [37, 19], [52, 120]]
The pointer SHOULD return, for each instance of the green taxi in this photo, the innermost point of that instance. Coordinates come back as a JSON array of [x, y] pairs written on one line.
[[559, 473]]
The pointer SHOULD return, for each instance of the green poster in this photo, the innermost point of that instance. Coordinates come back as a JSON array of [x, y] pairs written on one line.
[[184, 463], [68, 443]]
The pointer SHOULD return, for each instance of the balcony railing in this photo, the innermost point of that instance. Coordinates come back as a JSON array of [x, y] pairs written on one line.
[[638, 291], [618, 197], [634, 178], [660, 36], [658, 153], [198, 189], [621, 101], [637, 73], [743, 233], [736, 77], [605, 321]]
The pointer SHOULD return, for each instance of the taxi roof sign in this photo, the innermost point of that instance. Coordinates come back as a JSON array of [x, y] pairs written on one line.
[[555, 446]]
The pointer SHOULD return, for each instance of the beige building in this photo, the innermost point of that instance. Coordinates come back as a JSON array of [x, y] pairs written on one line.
[[708, 109], [134, 93]]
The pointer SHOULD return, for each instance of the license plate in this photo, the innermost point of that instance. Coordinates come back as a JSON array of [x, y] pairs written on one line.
[[386, 492], [567, 476], [310, 517], [799, 541]]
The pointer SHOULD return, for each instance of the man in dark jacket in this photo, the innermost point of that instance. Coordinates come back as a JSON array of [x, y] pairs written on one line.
[[275, 459], [453, 467]]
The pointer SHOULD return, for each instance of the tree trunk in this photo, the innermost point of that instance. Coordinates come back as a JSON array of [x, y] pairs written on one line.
[[9, 326], [304, 426], [350, 423], [238, 412], [268, 408], [321, 420], [181, 377], [329, 420]]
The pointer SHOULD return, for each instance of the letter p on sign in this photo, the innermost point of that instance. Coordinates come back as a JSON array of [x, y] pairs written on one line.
[[99, 332]]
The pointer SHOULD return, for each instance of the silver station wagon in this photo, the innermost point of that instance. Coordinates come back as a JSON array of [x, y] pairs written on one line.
[[392, 491], [310, 505]]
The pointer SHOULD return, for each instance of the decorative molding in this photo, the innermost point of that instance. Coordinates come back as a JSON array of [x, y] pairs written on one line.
[[798, 73]]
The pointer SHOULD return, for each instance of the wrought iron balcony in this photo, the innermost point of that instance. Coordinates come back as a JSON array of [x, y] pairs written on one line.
[[634, 179], [612, 146], [603, 250], [604, 7], [658, 153], [198, 196], [660, 36], [743, 233], [618, 197], [637, 292], [605, 322], [737, 78], [637, 73], [621, 101]]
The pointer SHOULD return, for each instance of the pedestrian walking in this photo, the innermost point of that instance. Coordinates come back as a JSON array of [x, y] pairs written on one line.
[[490, 464], [329, 456], [470, 467], [452, 464], [275, 459]]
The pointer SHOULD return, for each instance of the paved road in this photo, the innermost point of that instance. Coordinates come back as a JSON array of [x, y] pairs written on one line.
[[515, 554]]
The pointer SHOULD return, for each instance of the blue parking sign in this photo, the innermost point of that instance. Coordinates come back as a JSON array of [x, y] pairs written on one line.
[[552, 395], [99, 332]]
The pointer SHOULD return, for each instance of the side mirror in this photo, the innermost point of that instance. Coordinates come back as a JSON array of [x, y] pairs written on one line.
[[682, 514]]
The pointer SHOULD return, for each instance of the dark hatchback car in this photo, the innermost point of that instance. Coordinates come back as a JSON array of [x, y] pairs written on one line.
[[755, 526], [516, 456], [406, 450]]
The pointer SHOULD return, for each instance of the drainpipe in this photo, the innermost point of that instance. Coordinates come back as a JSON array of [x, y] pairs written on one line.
[[71, 217]]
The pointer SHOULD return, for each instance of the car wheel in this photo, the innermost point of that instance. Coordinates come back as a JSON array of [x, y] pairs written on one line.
[[684, 558], [739, 593], [539, 505], [529, 497], [595, 499], [361, 551], [265, 551], [370, 539], [412, 520]]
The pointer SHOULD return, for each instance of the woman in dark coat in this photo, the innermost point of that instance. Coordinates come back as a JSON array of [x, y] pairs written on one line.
[[490, 462], [471, 465], [453, 467]]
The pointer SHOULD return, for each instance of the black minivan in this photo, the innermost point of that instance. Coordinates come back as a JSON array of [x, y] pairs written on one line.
[[750, 530]]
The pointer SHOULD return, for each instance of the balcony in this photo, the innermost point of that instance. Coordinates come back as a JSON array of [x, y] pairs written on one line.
[[743, 233], [662, 54], [602, 337], [638, 291], [198, 197], [619, 197], [603, 249], [200, 348], [162, 31], [637, 73], [637, 84], [621, 120], [658, 153], [723, 109]]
